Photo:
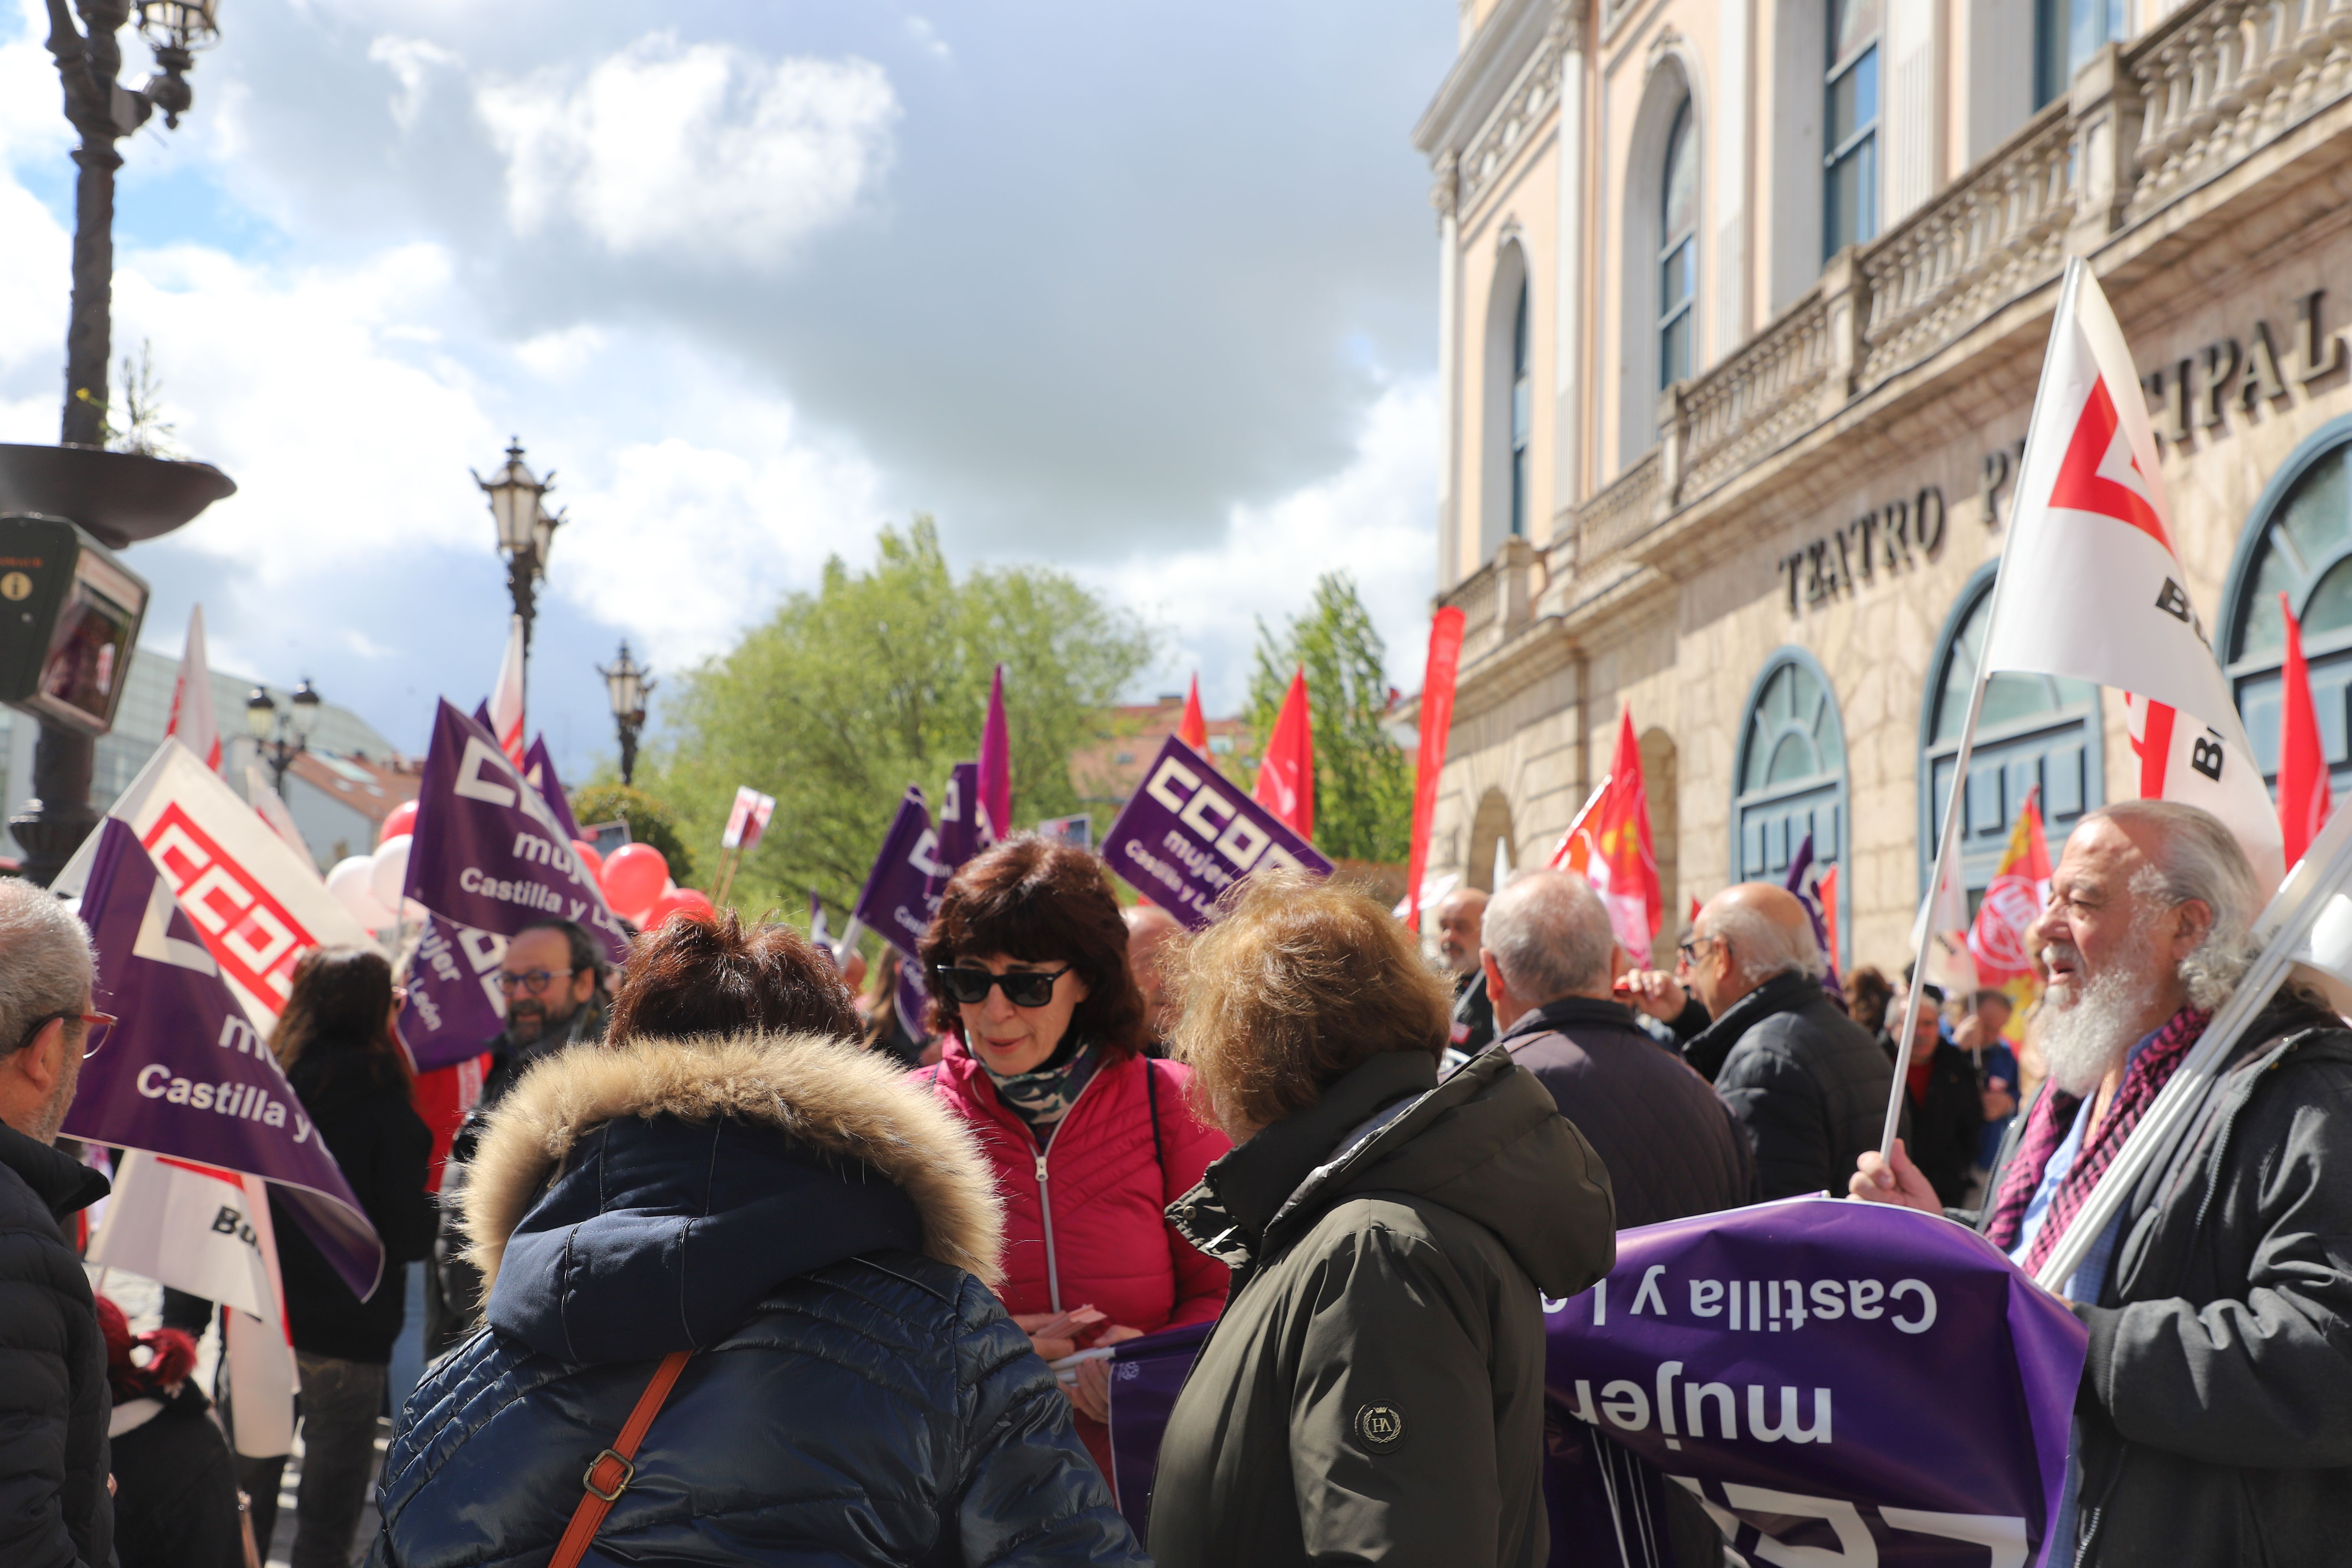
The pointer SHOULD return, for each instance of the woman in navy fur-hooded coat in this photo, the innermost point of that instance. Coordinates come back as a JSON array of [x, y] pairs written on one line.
[[729, 1175]]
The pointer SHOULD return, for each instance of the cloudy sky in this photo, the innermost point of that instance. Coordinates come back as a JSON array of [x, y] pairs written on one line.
[[1146, 292]]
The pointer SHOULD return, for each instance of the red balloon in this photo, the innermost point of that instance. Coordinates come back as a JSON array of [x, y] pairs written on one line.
[[686, 901], [589, 857], [632, 877], [401, 819]]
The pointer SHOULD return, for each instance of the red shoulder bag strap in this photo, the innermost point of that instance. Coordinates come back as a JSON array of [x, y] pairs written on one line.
[[610, 1473]]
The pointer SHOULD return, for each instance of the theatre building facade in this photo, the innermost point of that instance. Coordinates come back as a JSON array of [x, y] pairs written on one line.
[[1743, 304]]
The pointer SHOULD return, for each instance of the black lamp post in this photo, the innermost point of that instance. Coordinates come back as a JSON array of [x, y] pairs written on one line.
[[626, 683], [526, 529], [282, 737], [104, 112]]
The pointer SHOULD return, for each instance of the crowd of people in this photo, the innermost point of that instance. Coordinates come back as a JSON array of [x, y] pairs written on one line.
[[794, 1274]]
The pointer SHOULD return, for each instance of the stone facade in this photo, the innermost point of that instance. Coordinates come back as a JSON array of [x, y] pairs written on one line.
[[1678, 547]]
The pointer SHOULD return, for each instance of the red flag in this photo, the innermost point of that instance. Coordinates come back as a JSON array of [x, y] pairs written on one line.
[[2303, 799], [1827, 889], [1193, 729], [1610, 847], [1437, 719], [1286, 779]]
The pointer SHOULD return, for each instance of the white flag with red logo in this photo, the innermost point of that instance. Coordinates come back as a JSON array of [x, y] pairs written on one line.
[[2092, 588], [258, 904], [191, 724], [506, 697]]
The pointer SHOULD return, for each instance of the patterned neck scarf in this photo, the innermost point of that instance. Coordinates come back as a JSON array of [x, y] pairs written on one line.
[[1041, 1096], [2054, 1115]]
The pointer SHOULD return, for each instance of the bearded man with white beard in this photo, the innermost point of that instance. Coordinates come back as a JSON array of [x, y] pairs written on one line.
[[2214, 1420]]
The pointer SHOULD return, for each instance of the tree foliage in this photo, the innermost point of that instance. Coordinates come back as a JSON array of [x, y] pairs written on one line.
[[650, 822], [1363, 781], [878, 681]]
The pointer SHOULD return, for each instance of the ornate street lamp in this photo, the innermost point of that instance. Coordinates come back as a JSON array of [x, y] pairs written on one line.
[[104, 112], [282, 737], [526, 529], [626, 683]]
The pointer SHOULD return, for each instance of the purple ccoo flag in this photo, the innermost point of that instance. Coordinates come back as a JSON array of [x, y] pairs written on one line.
[[454, 1008], [1190, 833], [897, 898], [489, 852], [538, 769], [1805, 881], [184, 1075], [964, 828]]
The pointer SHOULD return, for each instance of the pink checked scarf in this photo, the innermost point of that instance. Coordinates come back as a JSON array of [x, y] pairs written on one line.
[[2148, 1073]]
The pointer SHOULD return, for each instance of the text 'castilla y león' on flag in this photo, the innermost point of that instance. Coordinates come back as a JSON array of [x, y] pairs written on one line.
[[2091, 587]]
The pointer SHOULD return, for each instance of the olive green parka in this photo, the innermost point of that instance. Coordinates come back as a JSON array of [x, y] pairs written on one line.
[[1375, 1389]]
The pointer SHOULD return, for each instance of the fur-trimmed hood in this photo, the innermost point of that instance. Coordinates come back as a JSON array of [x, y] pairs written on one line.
[[629, 1200]]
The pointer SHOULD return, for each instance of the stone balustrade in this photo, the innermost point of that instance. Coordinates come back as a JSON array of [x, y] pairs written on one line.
[[2217, 80], [1620, 514], [1496, 599]]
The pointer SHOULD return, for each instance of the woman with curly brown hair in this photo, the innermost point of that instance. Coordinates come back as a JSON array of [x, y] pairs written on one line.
[[1374, 1392], [1088, 1137]]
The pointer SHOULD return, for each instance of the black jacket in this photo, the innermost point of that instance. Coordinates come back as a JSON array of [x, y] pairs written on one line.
[[452, 1299], [1474, 1015], [360, 1105], [801, 1217], [1947, 1123], [2215, 1410], [176, 1505], [1375, 1389], [1672, 1146], [1809, 1083], [54, 1399]]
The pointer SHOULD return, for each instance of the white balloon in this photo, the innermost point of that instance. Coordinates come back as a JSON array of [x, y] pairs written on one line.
[[389, 868], [348, 882]]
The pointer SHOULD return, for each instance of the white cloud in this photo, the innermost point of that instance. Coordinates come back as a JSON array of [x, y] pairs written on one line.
[[692, 150], [556, 356], [1370, 520], [927, 37], [408, 60]]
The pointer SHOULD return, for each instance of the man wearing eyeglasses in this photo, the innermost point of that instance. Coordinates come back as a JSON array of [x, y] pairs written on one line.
[[54, 1401], [550, 978]]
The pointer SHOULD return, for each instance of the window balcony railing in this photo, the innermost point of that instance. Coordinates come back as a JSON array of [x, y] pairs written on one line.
[[1496, 600]]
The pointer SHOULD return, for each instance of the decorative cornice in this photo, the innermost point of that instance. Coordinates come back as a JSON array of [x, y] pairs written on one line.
[[1445, 191], [1534, 93]]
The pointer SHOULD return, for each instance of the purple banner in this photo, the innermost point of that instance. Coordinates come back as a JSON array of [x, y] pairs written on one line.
[[1190, 833], [184, 1075], [539, 771], [964, 828], [1834, 1381], [897, 901], [1832, 1376], [489, 852], [453, 1006]]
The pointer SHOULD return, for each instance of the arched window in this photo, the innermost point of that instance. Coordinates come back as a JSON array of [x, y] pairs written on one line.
[[2035, 730], [1792, 775], [2299, 543], [1850, 153], [1677, 250], [1523, 416]]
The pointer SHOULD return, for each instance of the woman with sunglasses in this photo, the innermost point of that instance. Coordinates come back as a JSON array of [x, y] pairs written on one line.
[[336, 1041], [1089, 1139]]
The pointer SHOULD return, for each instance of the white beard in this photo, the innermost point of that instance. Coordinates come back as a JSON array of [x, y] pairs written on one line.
[[2082, 1039]]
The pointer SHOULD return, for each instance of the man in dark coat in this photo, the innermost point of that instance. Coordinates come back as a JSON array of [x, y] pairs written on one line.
[[1946, 1107], [2214, 1421], [1461, 915], [1671, 1144], [53, 1396], [551, 977], [1808, 1082]]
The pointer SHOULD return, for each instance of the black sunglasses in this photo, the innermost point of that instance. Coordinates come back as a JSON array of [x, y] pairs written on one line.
[[1023, 987]]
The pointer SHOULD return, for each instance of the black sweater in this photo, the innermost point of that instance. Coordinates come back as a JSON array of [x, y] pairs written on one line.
[[360, 1105]]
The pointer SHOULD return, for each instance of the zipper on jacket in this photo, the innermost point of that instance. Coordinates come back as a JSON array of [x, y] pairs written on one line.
[[1045, 1203]]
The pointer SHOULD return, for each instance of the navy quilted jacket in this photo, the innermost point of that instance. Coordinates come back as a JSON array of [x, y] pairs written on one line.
[[851, 1399]]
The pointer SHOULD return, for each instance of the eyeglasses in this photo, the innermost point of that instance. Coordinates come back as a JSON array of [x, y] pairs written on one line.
[[535, 980], [1023, 987], [101, 1026], [1688, 951]]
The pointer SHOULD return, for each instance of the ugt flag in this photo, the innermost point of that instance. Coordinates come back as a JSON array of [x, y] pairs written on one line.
[[185, 1074], [2091, 587], [1610, 847], [488, 851], [2012, 902]]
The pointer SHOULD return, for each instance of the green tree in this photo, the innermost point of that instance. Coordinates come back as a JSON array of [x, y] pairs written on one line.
[[650, 822], [1363, 781], [878, 681]]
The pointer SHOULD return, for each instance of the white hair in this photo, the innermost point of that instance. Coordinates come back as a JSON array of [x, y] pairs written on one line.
[[1550, 936], [2195, 859], [1765, 948], [45, 967]]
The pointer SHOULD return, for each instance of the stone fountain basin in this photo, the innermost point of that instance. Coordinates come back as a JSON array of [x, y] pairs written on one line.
[[120, 498]]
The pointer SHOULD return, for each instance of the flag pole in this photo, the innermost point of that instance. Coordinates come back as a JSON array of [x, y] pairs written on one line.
[[1956, 805]]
